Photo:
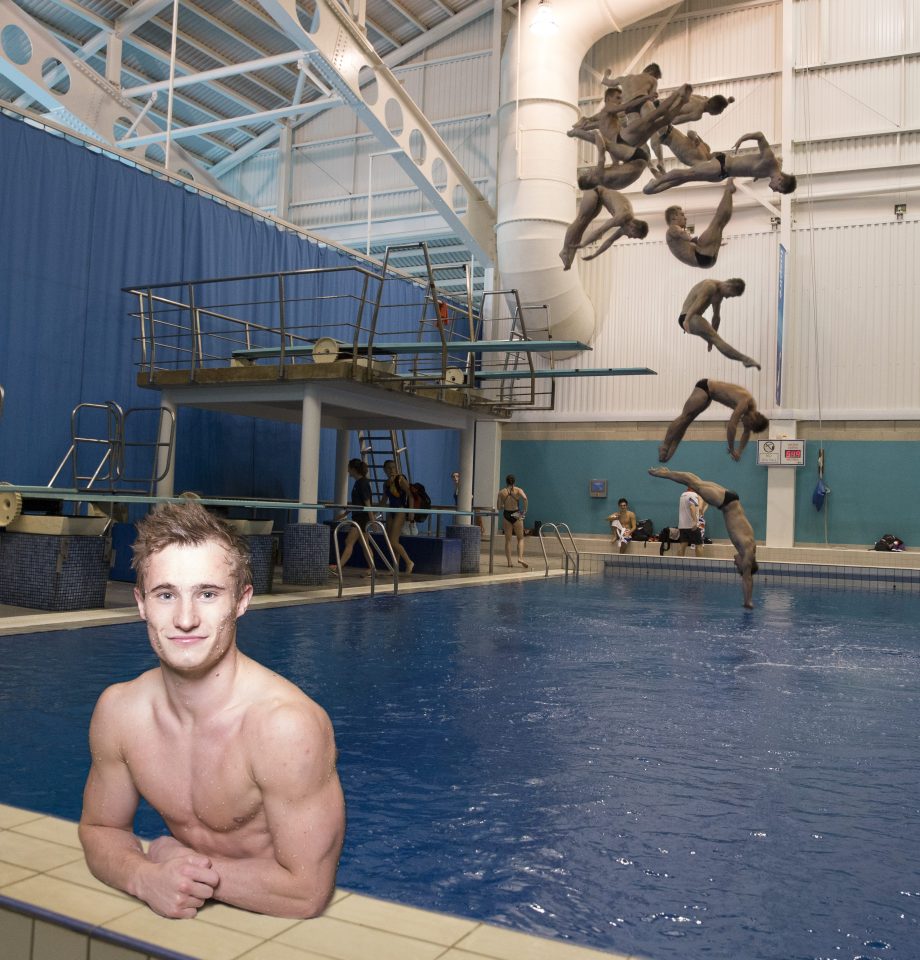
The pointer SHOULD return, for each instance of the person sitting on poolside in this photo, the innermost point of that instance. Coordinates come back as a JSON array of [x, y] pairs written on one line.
[[739, 528], [622, 524], [710, 293], [761, 165], [238, 761], [701, 251], [744, 412]]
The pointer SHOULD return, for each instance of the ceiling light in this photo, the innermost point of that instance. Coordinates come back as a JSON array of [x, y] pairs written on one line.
[[544, 23]]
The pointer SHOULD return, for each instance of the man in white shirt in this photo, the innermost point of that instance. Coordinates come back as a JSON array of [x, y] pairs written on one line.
[[688, 521]]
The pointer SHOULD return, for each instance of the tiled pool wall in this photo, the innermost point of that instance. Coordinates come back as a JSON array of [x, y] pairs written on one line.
[[771, 572], [28, 932]]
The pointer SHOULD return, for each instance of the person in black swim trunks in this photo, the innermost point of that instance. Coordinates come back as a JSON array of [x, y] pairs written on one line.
[[642, 126], [621, 221], [689, 148], [701, 251], [762, 165], [737, 525], [744, 412], [710, 293]]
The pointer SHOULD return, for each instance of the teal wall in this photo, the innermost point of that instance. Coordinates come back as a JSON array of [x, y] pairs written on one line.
[[874, 490], [873, 485]]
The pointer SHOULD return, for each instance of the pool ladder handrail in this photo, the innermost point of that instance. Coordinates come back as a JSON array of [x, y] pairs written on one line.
[[574, 556], [367, 543]]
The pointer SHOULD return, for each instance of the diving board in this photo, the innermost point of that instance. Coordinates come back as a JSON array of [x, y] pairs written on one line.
[[419, 347], [547, 374]]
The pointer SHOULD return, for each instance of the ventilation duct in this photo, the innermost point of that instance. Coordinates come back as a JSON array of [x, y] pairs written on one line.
[[537, 161]]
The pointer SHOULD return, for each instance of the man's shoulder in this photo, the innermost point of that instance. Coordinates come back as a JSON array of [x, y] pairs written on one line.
[[131, 692], [278, 708]]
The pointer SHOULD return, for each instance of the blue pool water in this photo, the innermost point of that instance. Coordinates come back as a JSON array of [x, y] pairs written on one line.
[[634, 765]]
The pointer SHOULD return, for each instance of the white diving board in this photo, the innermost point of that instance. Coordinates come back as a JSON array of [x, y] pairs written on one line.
[[548, 374]]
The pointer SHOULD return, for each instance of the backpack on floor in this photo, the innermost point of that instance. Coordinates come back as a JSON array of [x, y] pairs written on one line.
[[667, 536], [643, 531], [418, 499], [889, 541]]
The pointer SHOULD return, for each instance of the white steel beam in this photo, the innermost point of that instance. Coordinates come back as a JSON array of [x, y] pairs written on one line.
[[87, 102], [352, 67], [408, 50]]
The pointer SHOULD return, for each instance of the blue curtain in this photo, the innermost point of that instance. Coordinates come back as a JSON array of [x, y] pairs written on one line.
[[77, 227]]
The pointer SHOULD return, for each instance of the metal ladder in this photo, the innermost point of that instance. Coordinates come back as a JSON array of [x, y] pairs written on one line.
[[378, 446], [100, 438], [574, 556]]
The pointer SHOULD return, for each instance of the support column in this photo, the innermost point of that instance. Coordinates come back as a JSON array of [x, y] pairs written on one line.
[[488, 448], [467, 445], [341, 465], [165, 487], [781, 492], [308, 489]]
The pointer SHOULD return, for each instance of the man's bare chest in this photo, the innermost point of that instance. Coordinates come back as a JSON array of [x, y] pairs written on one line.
[[196, 781]]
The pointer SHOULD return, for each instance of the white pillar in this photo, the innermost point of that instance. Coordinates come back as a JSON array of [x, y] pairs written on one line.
[[781, 492], [487, 481], [166, 486], [309, 453], [341, 465], [467, 443]]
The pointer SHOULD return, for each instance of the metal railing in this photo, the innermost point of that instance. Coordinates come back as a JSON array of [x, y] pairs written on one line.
[[367, 543], [573, 557]]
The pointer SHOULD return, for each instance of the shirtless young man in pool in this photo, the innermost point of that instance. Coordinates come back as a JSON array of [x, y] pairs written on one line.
[[739, 528], [711, 293], [744, 413], [238, 761]]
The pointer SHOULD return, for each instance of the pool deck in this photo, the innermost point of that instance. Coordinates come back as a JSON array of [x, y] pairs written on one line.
[[52, 908]]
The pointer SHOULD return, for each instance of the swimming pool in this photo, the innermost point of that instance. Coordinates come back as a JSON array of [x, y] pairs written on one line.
[[637, 765]]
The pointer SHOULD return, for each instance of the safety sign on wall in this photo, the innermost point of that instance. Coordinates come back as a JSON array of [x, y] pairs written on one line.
[[781, 453]]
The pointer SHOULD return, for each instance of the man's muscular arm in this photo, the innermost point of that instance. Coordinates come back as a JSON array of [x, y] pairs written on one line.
[[740, 410], [293, 762], [175, 888]]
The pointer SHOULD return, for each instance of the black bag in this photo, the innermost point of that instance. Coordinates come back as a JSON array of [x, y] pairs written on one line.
[[418, 497], [889, 542], [643, 531], [667, 536]]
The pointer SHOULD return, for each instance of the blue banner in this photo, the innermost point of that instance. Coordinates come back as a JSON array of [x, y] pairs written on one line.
[[780, 310]]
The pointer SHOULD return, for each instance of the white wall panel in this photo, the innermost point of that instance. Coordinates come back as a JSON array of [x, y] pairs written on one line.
[[862, 316], [852, 342], [735, 44], [848, 100], [638, 289], [864, 153]]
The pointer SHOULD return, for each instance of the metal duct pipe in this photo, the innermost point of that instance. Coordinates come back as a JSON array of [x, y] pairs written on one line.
[[537, 161]]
